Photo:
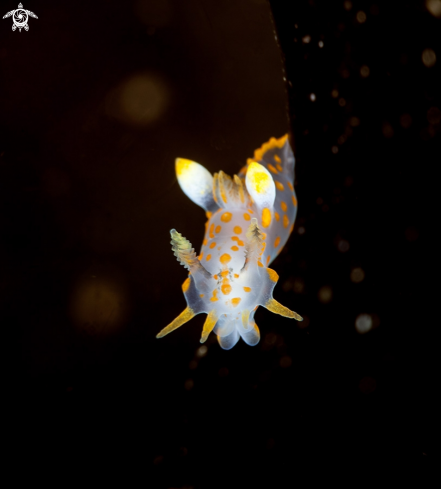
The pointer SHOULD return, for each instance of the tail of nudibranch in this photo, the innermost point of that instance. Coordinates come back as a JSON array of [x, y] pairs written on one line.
[[250, 217]]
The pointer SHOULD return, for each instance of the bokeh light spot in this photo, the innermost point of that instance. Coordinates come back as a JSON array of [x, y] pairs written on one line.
[[343, 246], [429, 58], [367, 385], [411, 233], [405, 121], [363, 323], [388, 130], [361, 17], [365, 71], [98, 305], [434, 115], [357, 275], [325, 294], [201, 351], [140, 100], [434, 7], [285, 361]]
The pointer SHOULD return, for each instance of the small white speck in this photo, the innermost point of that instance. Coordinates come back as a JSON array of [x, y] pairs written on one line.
[[312, 97], [306, 39], [284, 79], [320, 44]]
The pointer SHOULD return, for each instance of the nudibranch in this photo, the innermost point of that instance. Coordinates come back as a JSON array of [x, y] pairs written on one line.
[[250, 218]]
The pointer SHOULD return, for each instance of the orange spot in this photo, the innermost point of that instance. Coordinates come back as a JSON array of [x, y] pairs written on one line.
[[218, 229], [260, 264], [211, 231], [264, 236], [277, 158], [290, 185], [283, 206], [240, 243], [237, 229], [212, 244], [276, 215], [201, 256], [224, 274], [236, 275], [246, 217], [250, 211], [285, 221], [277, 242], [214, 298], [272, 275], [268, 260], [236, 301], [225, 258], [294, 200], [279, 167], [266, 217], [291, 228], [247, 289], [226, 289], [186, 284], [208, 257], [205, 242], [235, 248], [279, 186], [215, 277], [208, 214], [272, 169], [226, 217], [234, 238], [201, 295]]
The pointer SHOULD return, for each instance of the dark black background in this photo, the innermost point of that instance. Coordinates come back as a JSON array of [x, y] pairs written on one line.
[[87, 200]]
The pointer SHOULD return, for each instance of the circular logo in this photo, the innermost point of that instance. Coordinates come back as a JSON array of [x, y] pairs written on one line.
[[20, 18]]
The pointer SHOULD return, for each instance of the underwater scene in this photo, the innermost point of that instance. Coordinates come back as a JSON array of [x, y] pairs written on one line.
[[167, 167]]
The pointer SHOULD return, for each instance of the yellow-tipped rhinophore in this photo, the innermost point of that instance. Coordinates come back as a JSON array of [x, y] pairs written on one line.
[[277, 308], [209, 324], [184, 317]]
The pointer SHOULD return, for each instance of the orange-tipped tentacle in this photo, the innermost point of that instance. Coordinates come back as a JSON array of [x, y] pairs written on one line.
[[183, 318], [277, 308], [209, 324]]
